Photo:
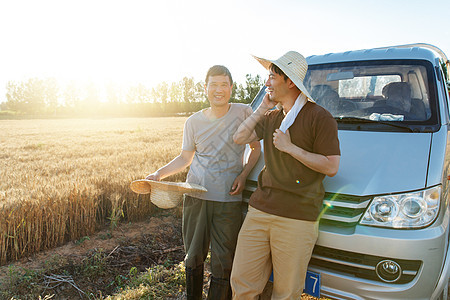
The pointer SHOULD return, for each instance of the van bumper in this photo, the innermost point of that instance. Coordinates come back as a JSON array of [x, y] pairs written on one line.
[[347, 262]]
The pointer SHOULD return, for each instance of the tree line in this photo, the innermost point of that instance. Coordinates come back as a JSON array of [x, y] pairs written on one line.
[[47, 98]]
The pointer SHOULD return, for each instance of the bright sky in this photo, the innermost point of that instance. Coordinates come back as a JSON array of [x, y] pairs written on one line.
[[148, 41]]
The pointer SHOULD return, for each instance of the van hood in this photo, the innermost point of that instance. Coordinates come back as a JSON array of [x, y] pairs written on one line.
[[380, 162]]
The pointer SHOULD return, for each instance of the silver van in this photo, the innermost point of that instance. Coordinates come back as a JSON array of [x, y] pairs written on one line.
[[384, 228]]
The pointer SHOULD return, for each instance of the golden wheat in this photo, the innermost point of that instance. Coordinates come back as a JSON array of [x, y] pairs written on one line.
[[62, 178]]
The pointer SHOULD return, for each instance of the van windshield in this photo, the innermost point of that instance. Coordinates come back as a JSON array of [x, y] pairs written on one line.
[[388, 91], [393, 95]]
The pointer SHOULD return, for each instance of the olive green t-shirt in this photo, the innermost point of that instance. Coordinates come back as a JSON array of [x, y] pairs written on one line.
[[286, 187]]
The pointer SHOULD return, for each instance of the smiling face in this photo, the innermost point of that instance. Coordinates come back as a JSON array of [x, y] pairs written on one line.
[[218, 90], [277, 87]]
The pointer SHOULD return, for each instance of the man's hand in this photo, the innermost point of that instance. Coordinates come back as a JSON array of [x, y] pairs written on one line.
[[154, 176], [325, 164], [282, 141], [238, 185], [267, 104]]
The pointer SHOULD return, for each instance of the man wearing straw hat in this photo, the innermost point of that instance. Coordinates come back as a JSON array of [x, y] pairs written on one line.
[[301, 146], [216, 163]]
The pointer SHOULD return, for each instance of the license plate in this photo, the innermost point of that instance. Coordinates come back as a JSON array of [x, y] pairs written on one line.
[[312, 284]]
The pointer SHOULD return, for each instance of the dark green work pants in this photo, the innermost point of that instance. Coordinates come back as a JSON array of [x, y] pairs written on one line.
[[206, 222]]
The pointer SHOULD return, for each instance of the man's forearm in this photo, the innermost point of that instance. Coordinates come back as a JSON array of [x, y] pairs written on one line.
[[178, 164], [246, 131], [327, 165], [255, 152], [173, 167]]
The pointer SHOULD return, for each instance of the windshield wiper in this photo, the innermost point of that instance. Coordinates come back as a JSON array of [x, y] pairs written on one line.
[[362, 120]]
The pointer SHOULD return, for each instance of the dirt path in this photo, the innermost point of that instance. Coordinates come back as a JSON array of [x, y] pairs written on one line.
[[104, 256], [138, 245], [76, 251]]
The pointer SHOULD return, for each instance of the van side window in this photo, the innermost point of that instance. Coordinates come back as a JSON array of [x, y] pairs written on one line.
[[446, 92]]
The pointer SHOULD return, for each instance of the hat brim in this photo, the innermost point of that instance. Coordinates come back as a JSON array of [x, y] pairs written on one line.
[[165, 194], [299, 83], [144, 186]]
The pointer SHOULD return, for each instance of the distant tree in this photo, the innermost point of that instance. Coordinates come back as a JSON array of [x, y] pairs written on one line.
[[112, 93], [160, 93], [175, 92], [199, 92], [233, 92], [252, 87], [138, 94], [72, 95], [92, 93], [14, 96], [246, 93], [188, 89], [35, 96], [3, 106], [26, 97], [90, 102], [43, 96], [51, 94], [238, 93]]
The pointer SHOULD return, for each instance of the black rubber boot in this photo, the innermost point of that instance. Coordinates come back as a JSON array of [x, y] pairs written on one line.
[[219, 289], [194, 283]]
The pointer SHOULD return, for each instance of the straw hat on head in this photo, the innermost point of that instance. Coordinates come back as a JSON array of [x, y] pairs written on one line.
[[165, 194], [294, 65]]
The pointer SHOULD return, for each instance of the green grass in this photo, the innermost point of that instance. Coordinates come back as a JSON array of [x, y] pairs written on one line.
[[165, 281], [158, 282]]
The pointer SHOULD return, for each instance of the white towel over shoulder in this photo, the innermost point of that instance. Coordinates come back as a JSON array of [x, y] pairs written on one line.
[[292, 114]]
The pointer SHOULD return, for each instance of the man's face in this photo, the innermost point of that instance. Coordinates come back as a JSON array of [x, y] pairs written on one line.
[[218, 90], [277, 87]]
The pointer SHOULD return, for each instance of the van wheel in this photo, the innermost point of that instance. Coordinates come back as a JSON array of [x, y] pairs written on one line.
[[444, 294]]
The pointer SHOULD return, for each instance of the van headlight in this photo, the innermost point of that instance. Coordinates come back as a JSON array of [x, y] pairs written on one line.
[[410, 210]]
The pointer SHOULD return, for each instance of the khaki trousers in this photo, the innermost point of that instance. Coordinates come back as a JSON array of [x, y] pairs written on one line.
[[267, 242]]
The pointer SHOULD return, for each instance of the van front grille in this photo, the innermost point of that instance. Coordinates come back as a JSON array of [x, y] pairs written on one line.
[[359, 265], [344, 210], [338, 209]]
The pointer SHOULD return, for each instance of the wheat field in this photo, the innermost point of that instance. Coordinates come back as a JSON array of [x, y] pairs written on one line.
[[61, 179]]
